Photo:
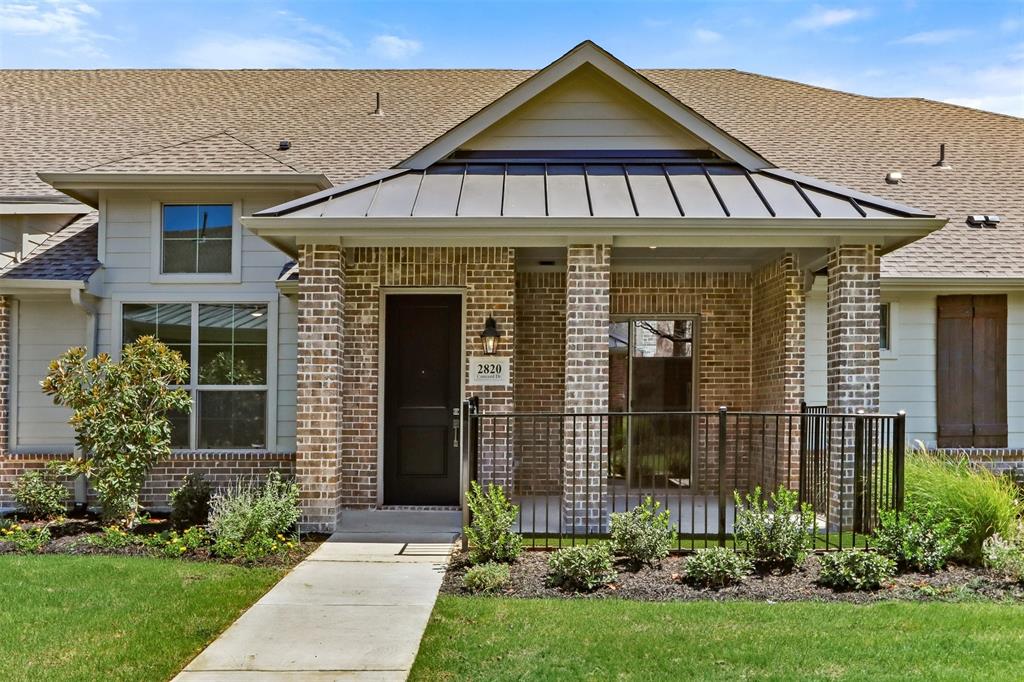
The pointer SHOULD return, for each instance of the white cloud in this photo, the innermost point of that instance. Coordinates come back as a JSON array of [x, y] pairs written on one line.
[[820, 17], [63, 22], [393, 47], [303, 25], [939, 37], [225, 51], [706, 37], [1010, 25]]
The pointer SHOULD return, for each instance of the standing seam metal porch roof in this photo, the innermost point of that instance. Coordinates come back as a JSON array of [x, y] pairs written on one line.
[[597, 189]]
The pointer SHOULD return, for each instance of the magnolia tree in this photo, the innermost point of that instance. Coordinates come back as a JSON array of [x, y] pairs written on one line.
[[120, 416]]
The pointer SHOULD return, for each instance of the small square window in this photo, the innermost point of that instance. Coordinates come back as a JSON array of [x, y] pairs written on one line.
[[885, 327], [196, 238], [232, 419]]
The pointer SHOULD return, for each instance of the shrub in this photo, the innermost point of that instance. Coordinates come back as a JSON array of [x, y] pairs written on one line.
[[1004, 557], [490, 534], [856, 569], [917, 539], [488, 577], [25, 540], [979, 502], [775, 533], [582, 568], [120, 417], [110, 537], [190, 504], [642, 535], [41, 493], [174, 544], [716, 567], [249, 521]]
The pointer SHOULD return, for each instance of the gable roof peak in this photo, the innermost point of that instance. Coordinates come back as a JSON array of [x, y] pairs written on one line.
[[592, 54]]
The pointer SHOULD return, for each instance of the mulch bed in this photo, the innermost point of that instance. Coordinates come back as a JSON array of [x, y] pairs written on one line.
[[69, 534], [664, 583]]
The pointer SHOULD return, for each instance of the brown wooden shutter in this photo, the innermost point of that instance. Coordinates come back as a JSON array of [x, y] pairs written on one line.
[[954, 348], [971, 371], [989, 396]]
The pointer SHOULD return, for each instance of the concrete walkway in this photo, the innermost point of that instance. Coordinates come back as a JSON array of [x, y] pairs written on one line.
[[355, 609]]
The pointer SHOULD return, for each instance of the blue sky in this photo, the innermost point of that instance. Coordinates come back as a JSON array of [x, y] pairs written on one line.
[[969, 52]]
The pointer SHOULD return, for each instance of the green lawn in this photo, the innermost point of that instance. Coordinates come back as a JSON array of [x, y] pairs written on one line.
[[508, 639], [115, 618]]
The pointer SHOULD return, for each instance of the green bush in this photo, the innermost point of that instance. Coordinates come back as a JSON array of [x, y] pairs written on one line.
[[490, 533], [110, 537], [642, 535], [856, 569], [488, 577], [248, 521], [190, 503], [25, 540], [917, 539], [582, 568], [41, 493], [120, 417], [174, 544], [979, 502], [716, 567], [775, 533], [1004, 557]]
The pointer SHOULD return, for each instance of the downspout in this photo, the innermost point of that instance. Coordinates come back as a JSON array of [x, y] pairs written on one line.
[[81, 302]]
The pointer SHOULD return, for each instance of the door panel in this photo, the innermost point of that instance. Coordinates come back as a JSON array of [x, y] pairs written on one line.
[[954, 351], [422, 363]]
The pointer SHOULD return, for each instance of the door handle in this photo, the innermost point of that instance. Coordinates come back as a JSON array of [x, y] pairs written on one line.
[[456, 427]]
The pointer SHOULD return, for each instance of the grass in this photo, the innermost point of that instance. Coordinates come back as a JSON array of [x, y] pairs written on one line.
[[115, 618], [478, 638]]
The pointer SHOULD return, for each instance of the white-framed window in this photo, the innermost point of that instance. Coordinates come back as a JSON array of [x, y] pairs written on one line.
[[887, 317], [229, 347], [196, 242]]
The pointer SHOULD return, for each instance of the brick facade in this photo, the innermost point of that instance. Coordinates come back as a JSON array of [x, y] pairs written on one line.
[[852, 355], [5, 371], [318, 427], [587, 309], [486, 275]]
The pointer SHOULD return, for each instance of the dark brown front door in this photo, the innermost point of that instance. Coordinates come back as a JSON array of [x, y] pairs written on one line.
[[421, 390]]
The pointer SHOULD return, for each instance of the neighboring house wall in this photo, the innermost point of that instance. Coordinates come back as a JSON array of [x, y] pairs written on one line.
[[20, 234], [43, 329], [908, 370]]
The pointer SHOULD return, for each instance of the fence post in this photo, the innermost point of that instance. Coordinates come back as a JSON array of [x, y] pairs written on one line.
[[467, 458], [802, 465], [858, 472], [722, 413], [899, 437]]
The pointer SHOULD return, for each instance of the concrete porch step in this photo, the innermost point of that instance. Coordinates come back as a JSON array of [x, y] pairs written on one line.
[[392, 525]]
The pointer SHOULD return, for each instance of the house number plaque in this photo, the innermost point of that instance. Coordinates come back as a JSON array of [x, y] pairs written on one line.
[[489, 370]]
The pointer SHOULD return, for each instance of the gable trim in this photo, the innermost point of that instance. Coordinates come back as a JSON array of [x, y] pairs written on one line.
[[586, 52]]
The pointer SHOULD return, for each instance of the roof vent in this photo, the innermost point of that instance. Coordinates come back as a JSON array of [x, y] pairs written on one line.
[[983, 220], [284, 145], [941, 163], [894, 177], [378, 111]]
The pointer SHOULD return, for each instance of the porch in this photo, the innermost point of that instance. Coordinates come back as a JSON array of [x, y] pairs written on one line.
[[568, 473]]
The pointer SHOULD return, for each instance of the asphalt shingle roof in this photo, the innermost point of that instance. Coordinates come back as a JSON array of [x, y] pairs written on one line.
[[69, 254], [70, 120]]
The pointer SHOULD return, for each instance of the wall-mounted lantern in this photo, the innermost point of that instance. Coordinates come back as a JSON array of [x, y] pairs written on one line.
[[490, 337]]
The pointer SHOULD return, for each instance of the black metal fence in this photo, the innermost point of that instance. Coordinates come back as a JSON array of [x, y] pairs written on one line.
[[568, 473]]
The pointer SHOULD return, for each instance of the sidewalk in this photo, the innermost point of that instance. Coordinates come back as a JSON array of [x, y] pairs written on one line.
[[355, 609]]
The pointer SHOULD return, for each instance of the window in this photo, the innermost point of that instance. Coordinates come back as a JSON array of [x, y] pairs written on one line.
[[196, 238], [226, 345], [651, 370], [885, 327]]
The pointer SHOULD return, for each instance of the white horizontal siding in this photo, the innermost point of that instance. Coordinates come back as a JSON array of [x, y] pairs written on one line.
[[45, 329], [586, 110], [908, 374]]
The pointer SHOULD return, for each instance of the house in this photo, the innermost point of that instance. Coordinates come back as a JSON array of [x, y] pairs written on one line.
[[331, 249]]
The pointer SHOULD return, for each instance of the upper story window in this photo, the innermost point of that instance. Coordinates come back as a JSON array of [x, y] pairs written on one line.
[[196, 238]]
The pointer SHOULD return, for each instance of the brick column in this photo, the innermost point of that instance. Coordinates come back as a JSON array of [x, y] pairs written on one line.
[[5, 373], [852, 359], [587, 309], [318, 384]]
